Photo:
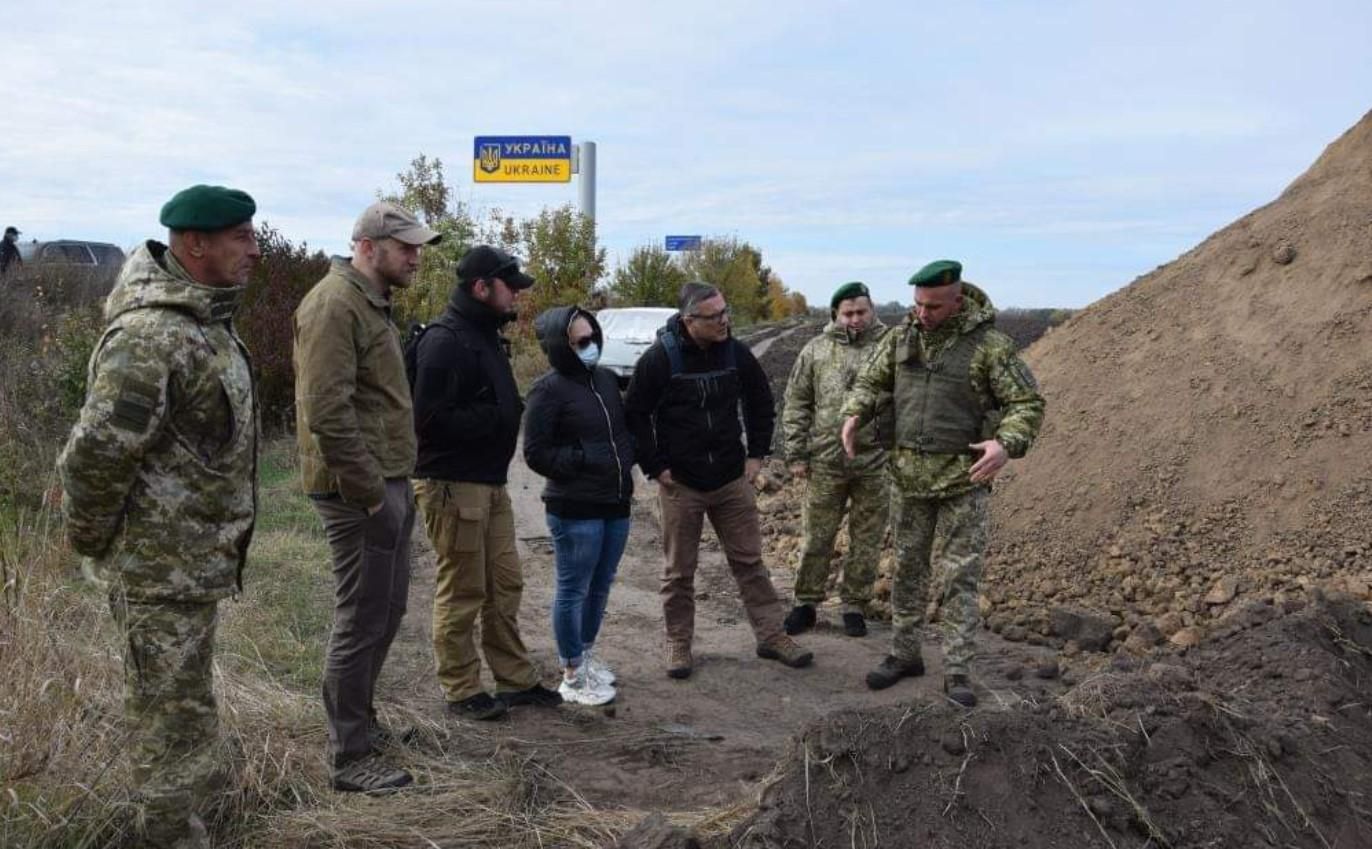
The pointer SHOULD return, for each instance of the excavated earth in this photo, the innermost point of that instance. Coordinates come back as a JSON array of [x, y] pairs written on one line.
[[1190, 540]]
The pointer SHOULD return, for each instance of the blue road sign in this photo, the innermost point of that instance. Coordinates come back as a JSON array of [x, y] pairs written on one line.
[[683, 243]]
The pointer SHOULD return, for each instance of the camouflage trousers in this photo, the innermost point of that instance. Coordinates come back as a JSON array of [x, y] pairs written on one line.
[[866, 499], [177, 758], [945, 537]]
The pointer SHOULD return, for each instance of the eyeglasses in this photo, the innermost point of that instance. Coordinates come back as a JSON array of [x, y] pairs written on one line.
[[714, 316], [583, 343]]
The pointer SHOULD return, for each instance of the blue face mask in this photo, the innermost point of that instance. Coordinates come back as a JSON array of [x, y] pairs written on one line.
[[590, 355]]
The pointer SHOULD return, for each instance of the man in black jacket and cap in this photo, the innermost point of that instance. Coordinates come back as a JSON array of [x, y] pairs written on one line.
[[683, 409], [467, 410]]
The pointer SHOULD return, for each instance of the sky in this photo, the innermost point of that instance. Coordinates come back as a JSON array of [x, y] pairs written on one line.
[[1057, 149]]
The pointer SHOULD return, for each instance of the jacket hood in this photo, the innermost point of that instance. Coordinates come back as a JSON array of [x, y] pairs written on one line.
[[976, 311], [840, 335], [551, 328], [151, 277], [464, 304]]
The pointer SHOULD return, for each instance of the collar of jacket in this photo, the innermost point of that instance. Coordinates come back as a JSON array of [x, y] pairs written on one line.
[[343, 267], [475, 311], [151, 277]]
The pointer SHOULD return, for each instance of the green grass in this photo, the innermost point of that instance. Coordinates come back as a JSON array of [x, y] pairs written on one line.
[[280, 624]]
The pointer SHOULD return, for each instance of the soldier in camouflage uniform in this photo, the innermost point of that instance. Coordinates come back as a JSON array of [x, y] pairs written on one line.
[[965, 404], [819, 381], [159, 481]]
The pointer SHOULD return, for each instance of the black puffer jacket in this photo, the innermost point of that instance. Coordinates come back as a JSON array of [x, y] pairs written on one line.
[[466, 401], [574, 429], [689, 422]]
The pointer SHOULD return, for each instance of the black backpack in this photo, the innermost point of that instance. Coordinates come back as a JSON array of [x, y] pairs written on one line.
[[411, 347]]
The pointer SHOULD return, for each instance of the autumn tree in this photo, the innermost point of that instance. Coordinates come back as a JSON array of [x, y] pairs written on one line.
[[650, 278], [732, 266]]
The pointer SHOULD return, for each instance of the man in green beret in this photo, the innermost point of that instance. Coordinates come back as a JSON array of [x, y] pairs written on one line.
[[159, 492], [965, 403], [836, 484]]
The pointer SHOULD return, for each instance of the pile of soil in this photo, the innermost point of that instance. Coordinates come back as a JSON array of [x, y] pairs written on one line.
[[1209, 433], [1260, 737]]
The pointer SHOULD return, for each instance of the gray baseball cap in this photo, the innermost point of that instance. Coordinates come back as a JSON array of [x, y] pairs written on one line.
[[386, 220]]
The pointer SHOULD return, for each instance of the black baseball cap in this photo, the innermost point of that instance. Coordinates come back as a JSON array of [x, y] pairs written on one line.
[[485, 262]]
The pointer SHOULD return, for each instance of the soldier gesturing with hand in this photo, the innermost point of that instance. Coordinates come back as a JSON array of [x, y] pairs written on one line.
[[964, 404]]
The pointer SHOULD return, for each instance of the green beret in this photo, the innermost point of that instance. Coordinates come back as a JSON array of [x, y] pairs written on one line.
[[848, 290], [942, 272], [207, 208]]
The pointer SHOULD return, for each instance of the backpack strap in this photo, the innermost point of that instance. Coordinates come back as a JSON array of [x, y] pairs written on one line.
[[672, 346]]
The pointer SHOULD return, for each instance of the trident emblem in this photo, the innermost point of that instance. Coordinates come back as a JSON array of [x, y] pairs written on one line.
[[490, 158]]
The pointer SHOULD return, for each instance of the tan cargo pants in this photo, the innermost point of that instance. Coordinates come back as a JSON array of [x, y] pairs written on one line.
[[471, 527]]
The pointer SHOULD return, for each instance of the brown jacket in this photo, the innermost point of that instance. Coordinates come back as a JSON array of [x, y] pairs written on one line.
[[354, 416]]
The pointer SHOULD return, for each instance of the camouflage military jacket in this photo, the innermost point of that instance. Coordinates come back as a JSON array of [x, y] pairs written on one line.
[[159, 473], [999, 378], [812, 417]]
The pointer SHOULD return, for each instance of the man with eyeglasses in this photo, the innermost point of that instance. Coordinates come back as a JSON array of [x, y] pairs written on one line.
[[683, 409], [466, 412]]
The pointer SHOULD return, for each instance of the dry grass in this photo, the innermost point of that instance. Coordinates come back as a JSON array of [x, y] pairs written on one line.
[[64, 782]]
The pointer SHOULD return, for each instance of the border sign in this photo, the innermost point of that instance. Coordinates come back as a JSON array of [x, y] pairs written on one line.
[[522, 159], [683, 243]]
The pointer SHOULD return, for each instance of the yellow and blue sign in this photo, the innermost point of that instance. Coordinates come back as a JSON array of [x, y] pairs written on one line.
[[522, 159]]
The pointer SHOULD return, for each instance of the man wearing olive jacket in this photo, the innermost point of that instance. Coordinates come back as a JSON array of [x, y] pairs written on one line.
[[357, 451]]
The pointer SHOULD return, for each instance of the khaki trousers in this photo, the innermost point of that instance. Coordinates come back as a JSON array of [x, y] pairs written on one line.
[[732, 510], [471, 527]]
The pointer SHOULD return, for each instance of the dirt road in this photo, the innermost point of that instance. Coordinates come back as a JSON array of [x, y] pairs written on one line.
[[666, 745]]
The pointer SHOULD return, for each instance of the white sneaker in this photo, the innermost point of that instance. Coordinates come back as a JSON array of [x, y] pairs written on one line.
[[597, 668], [584, 689]]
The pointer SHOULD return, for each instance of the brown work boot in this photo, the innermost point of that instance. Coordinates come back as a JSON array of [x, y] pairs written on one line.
[[784, 649], [679, 661], [892, 669], [959, 689]]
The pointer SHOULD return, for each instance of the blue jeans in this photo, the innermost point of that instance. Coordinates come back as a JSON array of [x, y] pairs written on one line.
[[586, 553]]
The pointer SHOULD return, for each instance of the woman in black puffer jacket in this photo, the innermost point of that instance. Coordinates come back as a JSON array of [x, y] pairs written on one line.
[[576, 437]]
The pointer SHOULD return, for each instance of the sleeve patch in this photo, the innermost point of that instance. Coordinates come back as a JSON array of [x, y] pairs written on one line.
[[134, 407], [1023, 374]]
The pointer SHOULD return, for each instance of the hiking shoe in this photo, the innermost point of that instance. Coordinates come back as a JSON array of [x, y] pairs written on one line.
[[855, 624], [583, 688], [786, 650], [369, 774], [679, 661], [597, 668], [481, 707], [537, 695], [800, 619], [892, 669], [381, 736], [959, 689]]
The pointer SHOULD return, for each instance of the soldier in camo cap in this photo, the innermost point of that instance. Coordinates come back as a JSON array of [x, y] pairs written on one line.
[[837, 485], [965, 404], [159, 483]]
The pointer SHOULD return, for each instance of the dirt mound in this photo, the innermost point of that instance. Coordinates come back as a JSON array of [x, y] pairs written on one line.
[[1261, 737], [1209, 434]]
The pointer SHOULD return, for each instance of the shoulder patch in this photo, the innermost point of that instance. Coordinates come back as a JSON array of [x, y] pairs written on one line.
[[134, 406], [1023, 374]]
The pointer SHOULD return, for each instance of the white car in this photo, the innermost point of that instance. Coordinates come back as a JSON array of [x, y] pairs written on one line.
[[628, 333]]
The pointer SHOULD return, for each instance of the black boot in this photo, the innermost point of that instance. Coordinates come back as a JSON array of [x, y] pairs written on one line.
[[959, 689], [892, 669], [854, 625], [800, 619]]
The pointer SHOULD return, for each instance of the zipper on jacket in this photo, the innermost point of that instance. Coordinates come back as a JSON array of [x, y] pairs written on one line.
[[614, 446]]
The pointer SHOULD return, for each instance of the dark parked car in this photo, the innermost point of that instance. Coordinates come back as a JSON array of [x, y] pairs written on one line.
[[71, 269]]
